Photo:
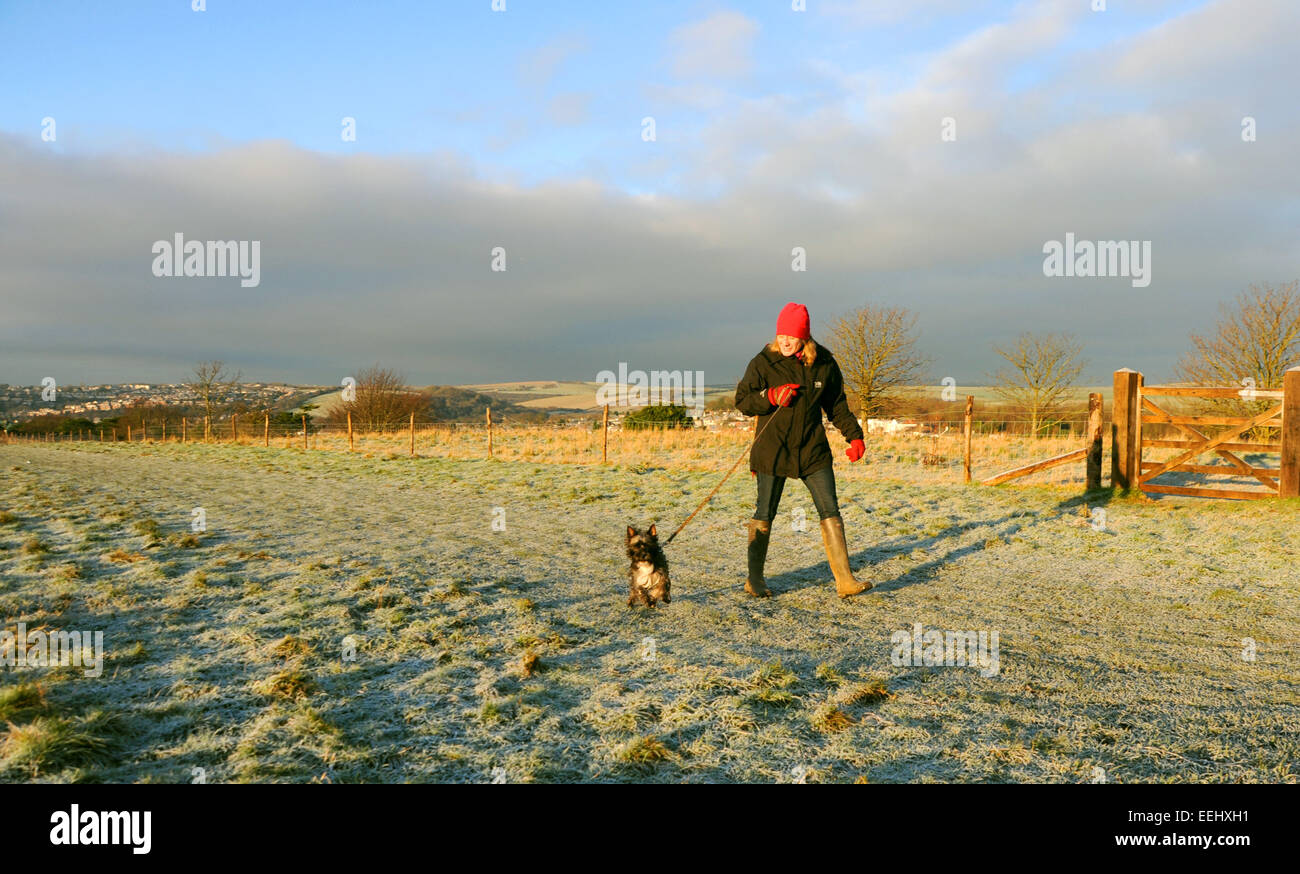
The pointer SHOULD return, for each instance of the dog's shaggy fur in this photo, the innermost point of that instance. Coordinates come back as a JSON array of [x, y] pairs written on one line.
[[648, 575]]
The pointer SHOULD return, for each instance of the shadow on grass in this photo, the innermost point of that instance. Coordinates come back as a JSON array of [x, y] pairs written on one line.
[[1006, 525]]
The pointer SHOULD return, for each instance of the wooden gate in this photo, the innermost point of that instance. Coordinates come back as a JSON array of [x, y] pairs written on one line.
[[1134, 408]]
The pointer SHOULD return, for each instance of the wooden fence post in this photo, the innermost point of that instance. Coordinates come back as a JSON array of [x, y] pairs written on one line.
[[968, 425], [184, 431], [413, 434], [234, 427], [128, 433], [1094, 441], [266, 430], [1289, 483], [604, 436], [304, 430], [489, 427], [1126, 430], [350, 431]]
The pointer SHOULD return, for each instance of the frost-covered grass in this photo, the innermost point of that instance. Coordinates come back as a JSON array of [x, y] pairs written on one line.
[[354, 618]]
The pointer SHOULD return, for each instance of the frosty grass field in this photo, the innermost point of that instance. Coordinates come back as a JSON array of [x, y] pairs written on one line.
[[486, 654]]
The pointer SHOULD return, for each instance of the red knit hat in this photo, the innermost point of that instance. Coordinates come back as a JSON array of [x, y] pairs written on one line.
[[793, 321]]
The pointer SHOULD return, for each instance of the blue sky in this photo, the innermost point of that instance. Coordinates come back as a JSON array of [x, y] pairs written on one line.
[[448, 76], [523, 129]]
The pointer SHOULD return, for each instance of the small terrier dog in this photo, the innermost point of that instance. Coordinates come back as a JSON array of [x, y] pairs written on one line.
[[648, 575]]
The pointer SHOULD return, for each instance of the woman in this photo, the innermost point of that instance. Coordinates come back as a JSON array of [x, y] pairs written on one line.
[[788, 385]]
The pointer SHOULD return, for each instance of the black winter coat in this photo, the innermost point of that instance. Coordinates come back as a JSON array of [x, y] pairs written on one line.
[[793, 443]]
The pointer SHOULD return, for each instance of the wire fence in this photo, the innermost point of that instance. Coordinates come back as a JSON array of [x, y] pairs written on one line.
[[907, 455]]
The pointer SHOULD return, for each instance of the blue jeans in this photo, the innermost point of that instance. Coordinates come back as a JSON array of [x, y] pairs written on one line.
[[820, 483]]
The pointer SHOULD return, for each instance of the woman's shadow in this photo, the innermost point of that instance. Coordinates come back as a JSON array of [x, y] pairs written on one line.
[[816, 575]]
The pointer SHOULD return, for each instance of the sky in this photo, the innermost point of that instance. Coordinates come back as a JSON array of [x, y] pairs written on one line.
[[921, 154]]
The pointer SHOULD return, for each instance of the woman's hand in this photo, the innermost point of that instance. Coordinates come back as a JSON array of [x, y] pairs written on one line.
[[783, 395], [856, 450]]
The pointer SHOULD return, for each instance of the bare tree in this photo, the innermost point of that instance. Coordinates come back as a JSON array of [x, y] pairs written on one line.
[[876, 350], [1040, 371], [214, 386], [382, 401], [1254, 344], [1257, 339]]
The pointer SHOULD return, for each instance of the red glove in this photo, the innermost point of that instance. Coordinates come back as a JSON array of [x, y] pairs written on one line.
[[782, 395], [856, 450]]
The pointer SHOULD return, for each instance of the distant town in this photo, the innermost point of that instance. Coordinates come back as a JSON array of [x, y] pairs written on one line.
[[20, 403]]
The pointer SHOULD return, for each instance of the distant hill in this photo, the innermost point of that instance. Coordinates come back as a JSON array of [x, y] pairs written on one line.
[[535, 400], [452, 403], [562, 396]]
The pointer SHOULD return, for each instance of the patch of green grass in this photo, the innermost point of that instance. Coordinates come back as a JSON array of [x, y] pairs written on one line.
[[52, 743], [829, 675], [134, 653], [774, 675], [771, 685], [494, 711], [21, 702], [644, 752]]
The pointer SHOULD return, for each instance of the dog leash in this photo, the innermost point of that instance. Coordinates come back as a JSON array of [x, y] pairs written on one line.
[[710, 495]]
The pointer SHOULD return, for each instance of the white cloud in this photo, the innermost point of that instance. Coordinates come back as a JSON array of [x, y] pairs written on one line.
[[1032, 29], [569, 109], [718, 46], [1219, 40], [864, 13], [538, 67]]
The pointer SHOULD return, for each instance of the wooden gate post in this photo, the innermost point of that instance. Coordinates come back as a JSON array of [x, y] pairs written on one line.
[[967, 427], [304, 431], [1289, 483], [413, 434], [1126, 430], [234, 427], [489, 427], [350, 431], [1094, 441], [604, 435], [266, 430]]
